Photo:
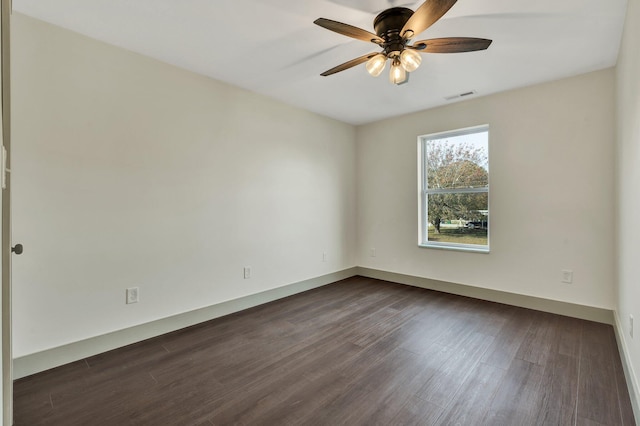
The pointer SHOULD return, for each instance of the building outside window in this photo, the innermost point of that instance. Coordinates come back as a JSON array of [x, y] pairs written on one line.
[[454, 189]]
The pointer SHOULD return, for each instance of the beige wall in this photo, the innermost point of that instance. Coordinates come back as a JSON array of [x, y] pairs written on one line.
[[551, 174], [130, 172], [628, 188]]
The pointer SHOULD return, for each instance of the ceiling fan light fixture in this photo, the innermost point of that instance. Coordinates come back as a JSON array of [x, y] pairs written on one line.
[[398, 75], [376, 65], [410, 60]]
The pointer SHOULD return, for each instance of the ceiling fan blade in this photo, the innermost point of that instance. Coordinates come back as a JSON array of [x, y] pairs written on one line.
[[425, 16], [349, 64], [451, 45], [348, 30]]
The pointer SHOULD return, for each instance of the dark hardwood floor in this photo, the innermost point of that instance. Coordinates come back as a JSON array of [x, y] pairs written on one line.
[[357, 352]]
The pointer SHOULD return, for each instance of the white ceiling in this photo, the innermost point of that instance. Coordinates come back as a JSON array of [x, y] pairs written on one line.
[[272, 46]]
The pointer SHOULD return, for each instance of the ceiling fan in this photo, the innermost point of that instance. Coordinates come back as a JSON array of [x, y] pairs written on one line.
[[395, 27]]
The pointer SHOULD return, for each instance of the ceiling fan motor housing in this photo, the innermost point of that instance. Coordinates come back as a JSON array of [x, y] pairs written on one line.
[[388, 25]]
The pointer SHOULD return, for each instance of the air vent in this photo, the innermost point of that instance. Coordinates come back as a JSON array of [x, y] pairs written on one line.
[[461, 95]]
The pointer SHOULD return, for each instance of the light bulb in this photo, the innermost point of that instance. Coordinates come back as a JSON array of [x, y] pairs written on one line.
[[376, 64], [410, 60], [398, 75]]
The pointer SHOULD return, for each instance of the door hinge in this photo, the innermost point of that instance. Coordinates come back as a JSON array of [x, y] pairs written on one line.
[[5, 170]]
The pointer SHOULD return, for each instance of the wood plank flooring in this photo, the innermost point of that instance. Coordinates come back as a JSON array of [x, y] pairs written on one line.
[[356, 352]]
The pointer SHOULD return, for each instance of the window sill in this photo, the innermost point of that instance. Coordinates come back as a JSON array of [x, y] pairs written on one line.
[[456, 248]]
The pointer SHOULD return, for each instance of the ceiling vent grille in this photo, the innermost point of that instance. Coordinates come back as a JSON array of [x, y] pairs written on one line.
[[461, 95]]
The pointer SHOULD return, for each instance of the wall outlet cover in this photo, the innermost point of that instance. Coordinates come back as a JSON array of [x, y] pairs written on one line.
[[133, 295]]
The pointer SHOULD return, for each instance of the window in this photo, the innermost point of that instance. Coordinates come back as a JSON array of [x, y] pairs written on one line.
[[454, 195]]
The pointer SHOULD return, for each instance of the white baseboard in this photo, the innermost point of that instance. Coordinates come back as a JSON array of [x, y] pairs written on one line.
[[627, 366], [531, 302], [44, 360]]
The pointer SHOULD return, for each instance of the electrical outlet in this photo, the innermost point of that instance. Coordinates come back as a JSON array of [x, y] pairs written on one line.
[[324, 257], [247, 272], [631, 325], [567, 276], [133, 295], [373, 252]]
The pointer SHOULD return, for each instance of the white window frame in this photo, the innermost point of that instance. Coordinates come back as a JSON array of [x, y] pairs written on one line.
[[424, 191]]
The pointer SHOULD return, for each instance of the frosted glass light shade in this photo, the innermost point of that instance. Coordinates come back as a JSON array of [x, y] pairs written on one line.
[[398, 74], [410, 60], [376, 64]]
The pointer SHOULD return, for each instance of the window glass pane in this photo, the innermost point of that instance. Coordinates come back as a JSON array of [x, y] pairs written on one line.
[[457, 162], [458, 218]]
